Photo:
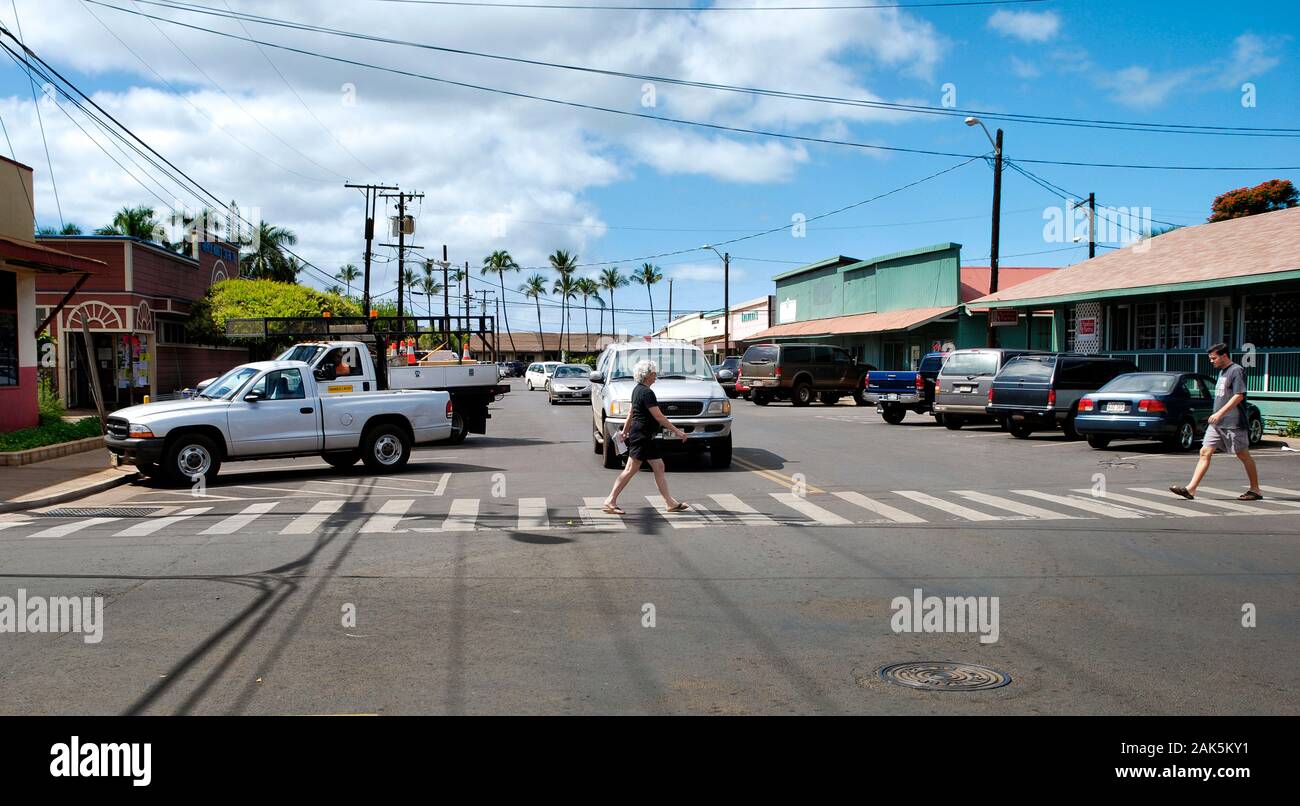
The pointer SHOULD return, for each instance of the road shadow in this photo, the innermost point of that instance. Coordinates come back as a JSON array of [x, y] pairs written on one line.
[[237, 478]]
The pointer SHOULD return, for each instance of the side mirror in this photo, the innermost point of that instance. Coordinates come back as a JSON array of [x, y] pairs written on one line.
[[726, 375], [253, 397], [596, 377]]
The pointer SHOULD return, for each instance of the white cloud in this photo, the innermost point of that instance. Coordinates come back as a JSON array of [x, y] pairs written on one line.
[[1027, 26], [1140, 87]]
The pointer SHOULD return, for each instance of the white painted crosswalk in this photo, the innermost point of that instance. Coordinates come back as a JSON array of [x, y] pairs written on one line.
[[430, 515]]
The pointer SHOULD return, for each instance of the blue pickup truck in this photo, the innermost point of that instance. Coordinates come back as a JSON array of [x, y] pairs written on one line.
[[897, 393]]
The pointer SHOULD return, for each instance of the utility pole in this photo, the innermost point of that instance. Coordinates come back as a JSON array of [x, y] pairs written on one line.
[[1092, 225], [997, 217], [670, 305], [402, 198], [726, 304], [369, 191], [446, 300]]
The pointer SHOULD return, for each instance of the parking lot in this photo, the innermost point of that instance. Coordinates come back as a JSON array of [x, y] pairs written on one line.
[[485, 578]]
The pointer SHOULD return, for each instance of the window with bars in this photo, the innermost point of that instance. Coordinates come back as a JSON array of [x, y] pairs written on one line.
[[1272, 320], [1149, 326], [1187, 324]]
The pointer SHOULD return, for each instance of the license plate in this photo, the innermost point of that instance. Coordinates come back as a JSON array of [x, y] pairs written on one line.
[[965, 389], [1116, 408], [891, 396]]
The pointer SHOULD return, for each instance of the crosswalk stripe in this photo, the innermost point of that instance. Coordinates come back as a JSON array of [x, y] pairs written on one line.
[[388, 516], [62, 530], [313, 519], [690, 519], [461, 515], [533, 514], [10, 524], [592, 516], [1109, 510], [234, 523], [1256, 506], [1225, 505], [442, 484], [949, 507], [823, 517], [1157, 506], [1019, 507], [1280, 491], [148, 527], [893, 513], [741, 511]]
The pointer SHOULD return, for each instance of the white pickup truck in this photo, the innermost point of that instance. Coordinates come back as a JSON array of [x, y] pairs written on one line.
[[276, 409]]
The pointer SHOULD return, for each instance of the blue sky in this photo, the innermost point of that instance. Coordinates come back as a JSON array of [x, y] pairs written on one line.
[[532, 177]]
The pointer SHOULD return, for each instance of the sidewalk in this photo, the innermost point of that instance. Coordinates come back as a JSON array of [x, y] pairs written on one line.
[[56, 480]]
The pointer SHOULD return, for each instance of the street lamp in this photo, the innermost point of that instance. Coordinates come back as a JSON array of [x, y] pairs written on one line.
[[726, 298], [997, 211]]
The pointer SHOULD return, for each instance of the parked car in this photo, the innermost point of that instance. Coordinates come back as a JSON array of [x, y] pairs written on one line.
[[570, 382], [961, 391], [1173, 407], [539, 374], [897, 393], [800, 372], [688, 394], [1042, 392], [732, 364], [276, 409]]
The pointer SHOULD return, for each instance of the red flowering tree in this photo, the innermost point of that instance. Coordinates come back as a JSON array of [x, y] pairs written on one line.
[[1275, 194]]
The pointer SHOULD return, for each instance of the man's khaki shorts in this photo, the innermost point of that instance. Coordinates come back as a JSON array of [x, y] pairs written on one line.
[[1228, 440]]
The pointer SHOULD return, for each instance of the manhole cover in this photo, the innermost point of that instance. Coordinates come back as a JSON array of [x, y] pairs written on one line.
[[944, 676], [99, 512]]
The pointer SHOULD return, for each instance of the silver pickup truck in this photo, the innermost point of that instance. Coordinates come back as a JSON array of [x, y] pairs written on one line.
[[275, 409]]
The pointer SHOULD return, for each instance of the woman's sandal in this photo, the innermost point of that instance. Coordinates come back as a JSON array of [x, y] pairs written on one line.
[[1250, 495], [612, 510], [1177, 490], [680, 507]]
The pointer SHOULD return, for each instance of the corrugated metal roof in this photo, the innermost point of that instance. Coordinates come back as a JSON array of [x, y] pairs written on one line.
[[905, 319]]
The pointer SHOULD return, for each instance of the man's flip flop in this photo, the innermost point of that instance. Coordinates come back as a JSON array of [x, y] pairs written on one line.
[[1176, 490], [608, 510], [1250, 495], [681, 507]]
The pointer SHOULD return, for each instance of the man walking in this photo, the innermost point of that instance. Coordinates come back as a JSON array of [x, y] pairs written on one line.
[[1227, 428]]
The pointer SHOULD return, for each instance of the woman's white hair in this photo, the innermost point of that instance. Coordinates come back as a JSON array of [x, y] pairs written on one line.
[[643, 368]]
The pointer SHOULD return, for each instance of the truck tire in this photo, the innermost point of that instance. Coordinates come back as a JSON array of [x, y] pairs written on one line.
[[828, 398], [759, 398], [385, 448], [609, 456], [341, 459], [190, 456], [1019, 430], [458, 429], [860, 391], [802, 394], [893, 414], [720, 453], [953, 422]]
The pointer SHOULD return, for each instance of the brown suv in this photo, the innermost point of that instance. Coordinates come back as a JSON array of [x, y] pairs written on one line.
[[798, 372]]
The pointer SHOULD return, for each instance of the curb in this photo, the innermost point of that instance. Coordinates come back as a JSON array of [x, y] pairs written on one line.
[[98, 486], [55, 451]]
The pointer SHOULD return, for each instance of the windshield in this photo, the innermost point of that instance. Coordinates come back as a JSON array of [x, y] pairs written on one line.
[[761, 354], [1028, 369], [673, 362], [572, 372], [1153, 383], [971, 364], [228, 384], [305, 353]]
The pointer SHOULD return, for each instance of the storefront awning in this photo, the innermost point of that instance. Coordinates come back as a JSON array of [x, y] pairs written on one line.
[[881, 322]]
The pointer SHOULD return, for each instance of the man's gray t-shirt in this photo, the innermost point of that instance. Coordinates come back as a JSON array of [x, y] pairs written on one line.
[[1232, 381]]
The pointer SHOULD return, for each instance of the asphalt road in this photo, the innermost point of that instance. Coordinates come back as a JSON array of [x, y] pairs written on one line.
[[481, 581]]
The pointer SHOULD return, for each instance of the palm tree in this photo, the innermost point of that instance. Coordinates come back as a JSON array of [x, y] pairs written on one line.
[[67, 229], [268, 260], [648, 276], [135, 222], [348, 273], [609, 280], [589, 290], [533, 289], [498, 263], [197, 225], [335, 290], [566, 265], [431, 287], [567, 288]]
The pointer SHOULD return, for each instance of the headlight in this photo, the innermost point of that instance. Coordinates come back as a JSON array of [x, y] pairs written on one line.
[[719, 407], [620, 408], [140, 431]]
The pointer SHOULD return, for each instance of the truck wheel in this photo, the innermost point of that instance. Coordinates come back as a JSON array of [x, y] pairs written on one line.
[[953, 422], [860, 391], [384, 448], [610, 457], [759, 398], [828, 398], [802, 394], [191, 456], [341, 459], [1099, 442], [1018, 430], [720, 453], [458, 429], [893, 414]]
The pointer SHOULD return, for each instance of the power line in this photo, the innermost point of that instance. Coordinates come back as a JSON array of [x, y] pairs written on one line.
[[1168, 128], [41, 123]]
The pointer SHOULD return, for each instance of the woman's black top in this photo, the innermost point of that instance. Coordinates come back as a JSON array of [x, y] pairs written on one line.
[[644, 425]]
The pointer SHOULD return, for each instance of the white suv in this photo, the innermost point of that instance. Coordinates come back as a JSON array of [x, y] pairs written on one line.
[[688, 393], [539, 374]]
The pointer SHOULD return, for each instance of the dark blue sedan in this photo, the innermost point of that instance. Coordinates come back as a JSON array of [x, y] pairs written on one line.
[[1173, 407]]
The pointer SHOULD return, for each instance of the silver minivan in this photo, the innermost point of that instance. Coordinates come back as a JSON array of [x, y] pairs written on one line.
[[961, 390]]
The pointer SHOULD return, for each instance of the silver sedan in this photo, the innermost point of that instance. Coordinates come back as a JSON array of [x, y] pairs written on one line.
[[570, 382]]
